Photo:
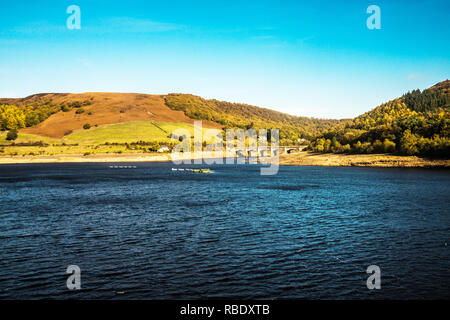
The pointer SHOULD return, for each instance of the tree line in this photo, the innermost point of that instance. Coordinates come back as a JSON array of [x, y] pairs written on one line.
[[244, 116], [418, 123], [14, 117]]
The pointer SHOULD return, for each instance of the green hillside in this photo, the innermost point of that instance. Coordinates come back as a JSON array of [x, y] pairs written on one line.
[[418, 123], [119, 133], [238, 115]]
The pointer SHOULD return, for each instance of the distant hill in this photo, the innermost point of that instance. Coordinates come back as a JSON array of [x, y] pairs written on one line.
[[418, 123], [59, 114], [239, 115]]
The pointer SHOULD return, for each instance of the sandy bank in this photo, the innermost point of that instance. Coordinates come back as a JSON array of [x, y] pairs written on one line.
[[360, 160], [300, 159], [80, 158]]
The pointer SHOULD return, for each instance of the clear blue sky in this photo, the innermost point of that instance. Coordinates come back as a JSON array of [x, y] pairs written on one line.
[[313, 58]]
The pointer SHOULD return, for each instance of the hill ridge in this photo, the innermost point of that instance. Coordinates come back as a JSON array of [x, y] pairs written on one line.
[[57, 114], [417, 123]]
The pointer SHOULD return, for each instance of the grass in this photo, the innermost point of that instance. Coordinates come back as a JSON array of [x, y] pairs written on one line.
[[125, 132], [27, 137], [61, 149], [93, 141]]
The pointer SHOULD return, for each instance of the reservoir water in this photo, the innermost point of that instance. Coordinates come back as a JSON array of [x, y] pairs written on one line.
[[149, 232]]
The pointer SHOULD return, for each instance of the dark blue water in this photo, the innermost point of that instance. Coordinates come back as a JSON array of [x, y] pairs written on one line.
[[308, 232]]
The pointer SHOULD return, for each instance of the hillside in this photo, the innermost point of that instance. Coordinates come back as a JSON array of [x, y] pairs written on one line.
[[418, 123], [57, 115], [238, 115]]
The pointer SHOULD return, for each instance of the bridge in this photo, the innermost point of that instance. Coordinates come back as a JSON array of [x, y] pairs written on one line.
[[292, 149], [266, 152]]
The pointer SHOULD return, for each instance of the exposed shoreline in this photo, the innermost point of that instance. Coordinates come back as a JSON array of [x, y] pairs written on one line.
[[78, 158], [300, 159], [361, 160]]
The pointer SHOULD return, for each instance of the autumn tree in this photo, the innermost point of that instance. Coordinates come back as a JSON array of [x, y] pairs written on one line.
[[408, 143]]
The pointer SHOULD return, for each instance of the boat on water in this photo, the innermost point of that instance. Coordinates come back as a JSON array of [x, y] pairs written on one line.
[[206, 170], [202, 170]]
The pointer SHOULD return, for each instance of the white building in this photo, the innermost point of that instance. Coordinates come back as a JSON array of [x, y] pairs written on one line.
[[163, 149]]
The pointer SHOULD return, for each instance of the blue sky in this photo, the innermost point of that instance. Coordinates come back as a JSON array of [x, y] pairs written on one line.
[[312, 58]]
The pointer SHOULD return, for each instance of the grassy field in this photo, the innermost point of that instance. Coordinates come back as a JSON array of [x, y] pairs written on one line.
[[127, 132], [92, 141], [117, 133]]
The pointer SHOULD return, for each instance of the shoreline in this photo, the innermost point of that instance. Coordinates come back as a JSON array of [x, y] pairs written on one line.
[[305, 158], [302, 158], [79, 158]]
